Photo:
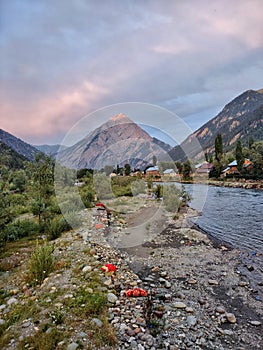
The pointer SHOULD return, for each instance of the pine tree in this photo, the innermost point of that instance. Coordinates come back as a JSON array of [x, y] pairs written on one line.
[[239, 156], [218, 147]]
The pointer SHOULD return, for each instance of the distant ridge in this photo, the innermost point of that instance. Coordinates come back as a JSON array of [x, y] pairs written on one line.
[[116, 142], [19, 146], [51, 150], [240, 119]]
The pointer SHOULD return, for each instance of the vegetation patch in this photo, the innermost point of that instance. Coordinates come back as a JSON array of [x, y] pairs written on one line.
[[40, 264]]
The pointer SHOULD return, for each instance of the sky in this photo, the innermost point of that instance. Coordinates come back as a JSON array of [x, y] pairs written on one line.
[[61, 60]]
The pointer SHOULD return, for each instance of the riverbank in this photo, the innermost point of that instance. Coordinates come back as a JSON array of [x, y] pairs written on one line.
[[197, 297], [242, 183]]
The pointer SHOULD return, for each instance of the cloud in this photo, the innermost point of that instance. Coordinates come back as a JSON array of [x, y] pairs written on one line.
[[53, 114], [60, 62]]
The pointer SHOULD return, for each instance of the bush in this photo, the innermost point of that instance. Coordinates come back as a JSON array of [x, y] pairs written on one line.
[[57, 226], [40, 264], [20, 229], [171, 198]]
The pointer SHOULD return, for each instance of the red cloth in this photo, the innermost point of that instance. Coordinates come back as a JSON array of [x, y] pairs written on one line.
[[109, 268], [136, 292], [100, 205]]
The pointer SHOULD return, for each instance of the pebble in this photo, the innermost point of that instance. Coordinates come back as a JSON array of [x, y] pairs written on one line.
[[112, 298], [220, 309], [191, 320], [255, 323], [72, 346], [213, 282], [179, 305], [12, 301], [167, 284], [192, 281], [87, 268], [231, 317], [97, 322]]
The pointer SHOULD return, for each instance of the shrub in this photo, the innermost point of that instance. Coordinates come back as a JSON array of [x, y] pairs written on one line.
[[40, 264], [171, 198], [20, 229], [57, 226]]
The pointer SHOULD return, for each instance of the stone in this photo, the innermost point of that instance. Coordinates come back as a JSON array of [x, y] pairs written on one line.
[[192, 281], [140, 347], [163, 273], [231, 317], [243, 284], [108, 282], [12, 301], [82, 335], [191, 321], [220, 309], [26, 324], [97, 322], [72, 346], [87, 268], [190, 310], [167, 284], [179, 305], [112, 298], [255, 323], [2, 321], [213, 282]]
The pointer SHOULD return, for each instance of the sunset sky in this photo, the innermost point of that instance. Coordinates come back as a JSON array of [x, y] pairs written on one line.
[[63, 59]]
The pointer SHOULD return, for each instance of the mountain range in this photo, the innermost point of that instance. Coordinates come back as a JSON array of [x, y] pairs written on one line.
[[121, 141], [240, 119]]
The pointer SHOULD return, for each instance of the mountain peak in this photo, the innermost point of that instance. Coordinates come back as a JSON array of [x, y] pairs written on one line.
[[120, 118]]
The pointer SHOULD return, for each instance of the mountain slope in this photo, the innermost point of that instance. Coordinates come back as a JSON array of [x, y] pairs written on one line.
[[10, 158], [19, 146], [240, 119], [117, 141], [49, 149]]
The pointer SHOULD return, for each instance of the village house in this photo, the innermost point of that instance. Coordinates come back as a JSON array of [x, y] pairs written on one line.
[[169, 173], [153, 171], [203, 168], [231, 169]]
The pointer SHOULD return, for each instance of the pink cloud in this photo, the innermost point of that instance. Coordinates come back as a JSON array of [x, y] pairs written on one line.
[[37, 120]]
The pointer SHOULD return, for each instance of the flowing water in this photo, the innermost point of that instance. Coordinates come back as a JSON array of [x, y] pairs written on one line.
[[232, 215]]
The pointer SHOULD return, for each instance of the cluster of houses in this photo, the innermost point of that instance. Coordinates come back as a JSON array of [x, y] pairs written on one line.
[[231, 169], [201, 169]]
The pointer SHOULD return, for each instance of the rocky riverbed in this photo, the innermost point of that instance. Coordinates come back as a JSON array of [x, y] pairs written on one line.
[[197, 297]]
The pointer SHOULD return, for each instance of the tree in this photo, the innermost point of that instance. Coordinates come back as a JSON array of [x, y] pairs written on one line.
[[218, 147], [127, 169], [187, 170], [43, 188], [239, 156], [154, 160], [108, 169]]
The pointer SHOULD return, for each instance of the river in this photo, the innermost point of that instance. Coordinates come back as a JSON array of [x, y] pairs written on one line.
[[233, 215]]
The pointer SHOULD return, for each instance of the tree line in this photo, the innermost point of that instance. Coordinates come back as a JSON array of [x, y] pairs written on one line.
[[252, 151]]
